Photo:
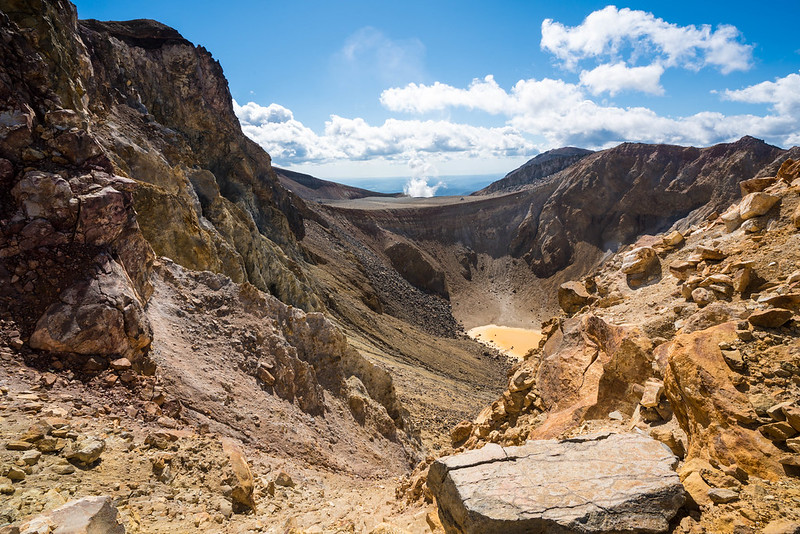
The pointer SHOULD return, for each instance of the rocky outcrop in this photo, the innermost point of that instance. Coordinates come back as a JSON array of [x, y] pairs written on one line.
[[100, 315], [592, 484], [136, 100]]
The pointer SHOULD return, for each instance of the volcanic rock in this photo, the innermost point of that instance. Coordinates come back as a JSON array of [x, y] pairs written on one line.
[[710, 409], [639, 260], [771, 318], [572, 296], [595, 483], [89, 515], [756, 204]]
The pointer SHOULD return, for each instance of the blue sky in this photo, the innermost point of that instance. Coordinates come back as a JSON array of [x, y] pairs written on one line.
[[352, 89]]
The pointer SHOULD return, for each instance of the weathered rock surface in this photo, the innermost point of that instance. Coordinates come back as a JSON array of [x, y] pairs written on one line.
[[89, 515], [756, 204], [541, 166], [714, 414], [639, 260], [595, 483], [572, 296], [99, 315]]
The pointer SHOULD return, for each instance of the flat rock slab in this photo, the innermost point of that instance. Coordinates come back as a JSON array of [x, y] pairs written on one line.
[[590, 484]]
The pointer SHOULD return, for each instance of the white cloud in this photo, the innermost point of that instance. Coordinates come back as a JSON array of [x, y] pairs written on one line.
[[783, 94], [255, 114], [291, 142], [563, 113], [612, 32], [483, 94], [613, 78]]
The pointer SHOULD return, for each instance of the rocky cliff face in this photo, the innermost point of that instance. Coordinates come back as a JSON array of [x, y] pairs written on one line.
[[543, 165], [611, 197], [137, 100]]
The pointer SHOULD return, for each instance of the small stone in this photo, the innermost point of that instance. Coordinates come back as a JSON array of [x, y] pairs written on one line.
[[225, 507], [772, 318], [87, 451], [672, 239], [31, 457], [6, 488], [15, 473], [734, 359], [776, 411], [283, 479], [48, 379], [19, 445], [54, 444], [460, 432], [710, 253], [744, 335], [639, 260], [703, 297], [572, 296], [615, 416], [794, 444], [778, 431], [722, 495], [652, 393], [265, 376], [792, 414], [63, 469], [121, 364]]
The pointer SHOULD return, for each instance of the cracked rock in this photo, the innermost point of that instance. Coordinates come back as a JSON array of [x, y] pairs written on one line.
[[595, 483]]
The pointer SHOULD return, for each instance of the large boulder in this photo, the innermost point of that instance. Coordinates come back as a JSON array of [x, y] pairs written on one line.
[[756, 204], [572, 296], [588, 369], [716, 417], [595, 483], [90, 515], [101, 314], [639, 260]]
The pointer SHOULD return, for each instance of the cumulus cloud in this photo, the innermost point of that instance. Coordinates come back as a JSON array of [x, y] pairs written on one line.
[[255, 114], [563, 113], [783, 94], [613, 78], [290, 141], [610, 32]]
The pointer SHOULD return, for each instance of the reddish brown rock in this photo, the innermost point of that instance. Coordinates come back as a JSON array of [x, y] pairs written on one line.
[[755, 185], [572, 296], [710, 409], [101, 315], [771, 318]]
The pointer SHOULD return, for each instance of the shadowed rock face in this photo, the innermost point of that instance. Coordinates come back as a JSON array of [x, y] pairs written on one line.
[[595, 483]]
